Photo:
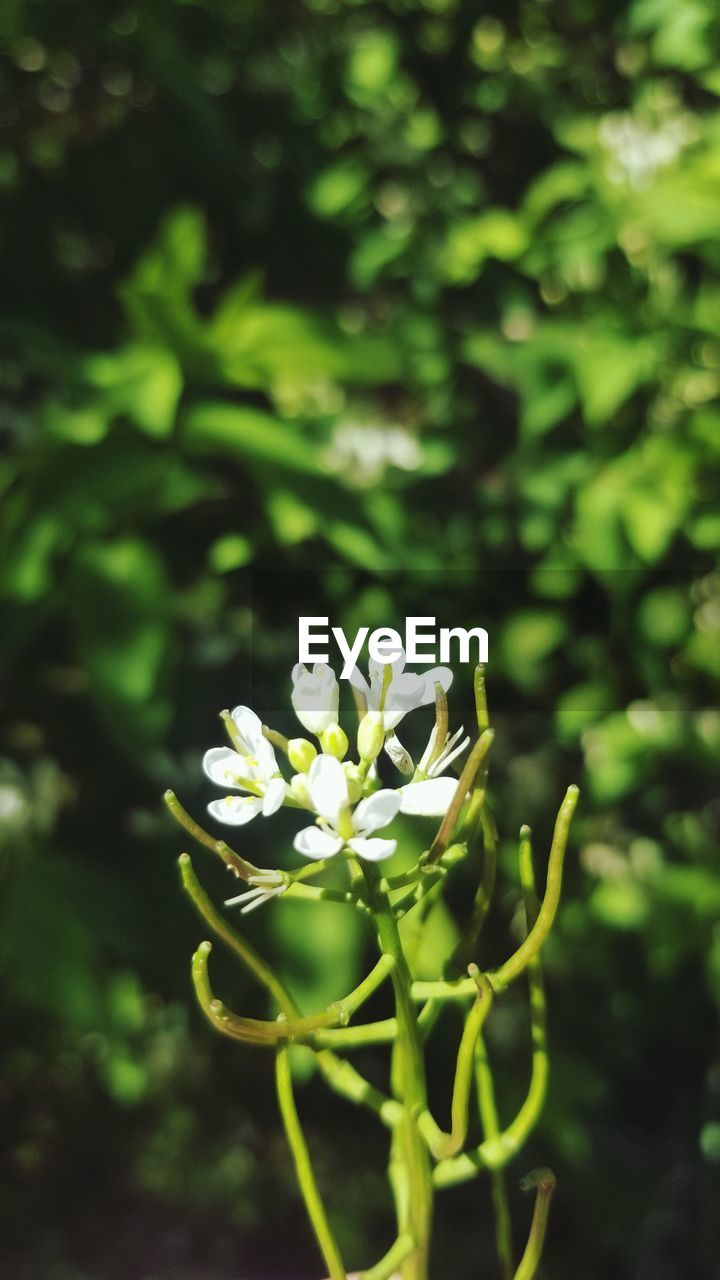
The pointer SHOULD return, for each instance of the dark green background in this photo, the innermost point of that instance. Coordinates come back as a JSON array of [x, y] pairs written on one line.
[[229, 232]]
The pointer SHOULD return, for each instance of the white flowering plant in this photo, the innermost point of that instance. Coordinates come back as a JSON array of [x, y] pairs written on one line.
[[347, 815]]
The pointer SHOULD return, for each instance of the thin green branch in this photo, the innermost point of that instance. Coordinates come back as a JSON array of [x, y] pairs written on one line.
[[386, 1267], [223, 930], [495, 1152], [362, 992], [341, 1076], [303, 1165], [441, 725], [242, 869], [259, 1032], [544, 1180], [411, 1178], [253, 1030], [518, 962], [462, 954], [359, 1037], [346, 1081], [466, 782], [487, 1107], [444, 1145], [481, 706]]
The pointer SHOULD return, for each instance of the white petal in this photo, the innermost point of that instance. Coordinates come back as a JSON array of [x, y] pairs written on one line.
[[397, 753], [275, 793], [358, 681], [430, 798], [235, 810], [405, 694], [376, 811], [328, 787], [377, 669], [249, 726], [372, 850], [447, 757], [264, 754], [436, 675], [428, 750], [224, 766], [314, 843], [315, 697]]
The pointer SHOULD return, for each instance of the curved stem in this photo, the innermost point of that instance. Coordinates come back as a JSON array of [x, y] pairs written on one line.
[[444, 1145], [257, 1031], [410, 1169], [359, 1037], [388, 1264], [220, 926], [495, 1152], [544, 1180], [491, 1128], [518, 962], [462, 954], [253, 1030], [341, 1076], [303, 1166], [239, 866], [466, 781]]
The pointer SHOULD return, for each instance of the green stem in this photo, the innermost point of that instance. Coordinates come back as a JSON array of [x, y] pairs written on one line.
[[359, 1037], [300, 892], [518, 962], [342, 1077], [495, 1151], [303, 1166], [386, 1267], [239, 866], [443, 1145], [377, 975], [463, 952], [466, 782], [220, 926], [410, 1165], [491, 1128], [544, 1180], [253, 1030]]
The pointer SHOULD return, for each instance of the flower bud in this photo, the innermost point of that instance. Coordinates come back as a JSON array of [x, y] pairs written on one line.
[[301, 754], [354, 777], [371, 735], [334, 741], [300, 791]]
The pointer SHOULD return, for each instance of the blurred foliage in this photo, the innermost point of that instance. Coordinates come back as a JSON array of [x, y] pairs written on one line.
[[295, 295]]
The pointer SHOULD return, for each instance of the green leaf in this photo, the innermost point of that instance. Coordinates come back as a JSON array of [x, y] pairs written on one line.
[[239, 431], [497, 233], [143, 382], [337, 187], [620, 904], [120, 610]]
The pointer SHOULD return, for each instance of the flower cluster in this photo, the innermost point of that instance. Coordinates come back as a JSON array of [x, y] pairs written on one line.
[[344, 796]]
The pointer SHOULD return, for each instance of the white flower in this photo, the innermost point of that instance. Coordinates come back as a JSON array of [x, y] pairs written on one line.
[[405, 691], [315, 696], [427, 768], [429, 798], [251, 768], [430, 795], [362, 452], [339, 825]]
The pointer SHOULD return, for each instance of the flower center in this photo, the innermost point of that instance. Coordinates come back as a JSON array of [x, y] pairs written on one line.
[[345, 825]]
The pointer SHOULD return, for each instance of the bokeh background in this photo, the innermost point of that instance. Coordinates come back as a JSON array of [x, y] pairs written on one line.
[[359, 301]]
